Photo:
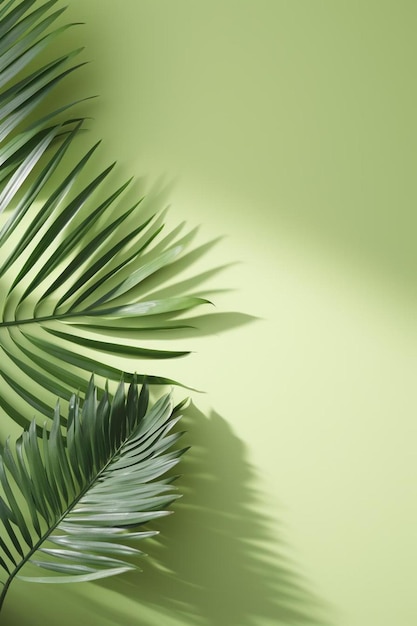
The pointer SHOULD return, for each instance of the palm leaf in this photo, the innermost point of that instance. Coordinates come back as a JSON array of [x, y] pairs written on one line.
[[70, 506], [22, 39], [73, 262]]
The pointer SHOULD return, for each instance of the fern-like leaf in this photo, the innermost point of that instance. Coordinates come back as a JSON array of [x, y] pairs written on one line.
[[86, 495]]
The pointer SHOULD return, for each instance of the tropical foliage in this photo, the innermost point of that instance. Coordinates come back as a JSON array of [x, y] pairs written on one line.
[[75, 292], [84, 494], [73, 267]]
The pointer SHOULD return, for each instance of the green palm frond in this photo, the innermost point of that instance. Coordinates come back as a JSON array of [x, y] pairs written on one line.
[[71, 505], [73, 266], [24, 35]]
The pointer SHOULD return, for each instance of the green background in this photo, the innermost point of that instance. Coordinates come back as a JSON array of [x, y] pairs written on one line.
[[284, 132]]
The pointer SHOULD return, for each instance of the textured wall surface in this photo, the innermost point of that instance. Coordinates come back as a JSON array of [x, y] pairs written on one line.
[[288, 130]]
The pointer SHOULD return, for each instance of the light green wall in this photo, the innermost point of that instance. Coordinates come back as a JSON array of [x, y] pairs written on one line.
[[288, 128]]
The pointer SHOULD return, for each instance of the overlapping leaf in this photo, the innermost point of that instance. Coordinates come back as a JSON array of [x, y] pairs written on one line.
[[86, 496], [71, 262]]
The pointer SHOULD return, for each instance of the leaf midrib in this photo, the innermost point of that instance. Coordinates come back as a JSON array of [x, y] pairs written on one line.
[[49, 318]]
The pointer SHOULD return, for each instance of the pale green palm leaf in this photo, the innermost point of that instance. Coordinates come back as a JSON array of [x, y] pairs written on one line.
[[71, 506]]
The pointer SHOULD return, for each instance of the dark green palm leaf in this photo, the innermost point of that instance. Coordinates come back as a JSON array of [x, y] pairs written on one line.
[[72, 264], [22, 39], [71, 505]]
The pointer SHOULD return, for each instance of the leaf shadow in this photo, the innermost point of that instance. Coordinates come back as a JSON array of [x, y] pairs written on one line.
[[217, 561]]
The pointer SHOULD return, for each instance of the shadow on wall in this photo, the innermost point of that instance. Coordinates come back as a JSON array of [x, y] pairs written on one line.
[[217, 562]]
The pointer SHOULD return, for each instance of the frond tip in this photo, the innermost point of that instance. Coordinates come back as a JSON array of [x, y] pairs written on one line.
[[85, 496]]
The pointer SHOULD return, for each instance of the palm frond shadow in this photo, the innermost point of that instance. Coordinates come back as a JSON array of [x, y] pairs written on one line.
[[218, 563]]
